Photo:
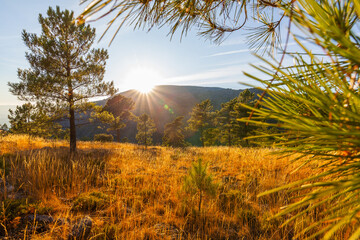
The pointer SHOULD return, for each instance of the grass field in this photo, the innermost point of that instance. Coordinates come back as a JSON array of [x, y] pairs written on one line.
[[133, 193]]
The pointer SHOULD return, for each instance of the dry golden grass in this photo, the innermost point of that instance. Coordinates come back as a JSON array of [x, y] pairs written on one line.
[[132, 193]]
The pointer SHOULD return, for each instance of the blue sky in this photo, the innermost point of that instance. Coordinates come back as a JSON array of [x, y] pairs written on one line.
[[193, 61]]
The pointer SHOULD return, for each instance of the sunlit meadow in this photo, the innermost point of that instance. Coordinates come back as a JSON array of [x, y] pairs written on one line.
[[136, 193]]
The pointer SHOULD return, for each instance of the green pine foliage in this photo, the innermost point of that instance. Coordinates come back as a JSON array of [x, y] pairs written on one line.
[[316, 104], [202, 120], [103, 137], [199, 183], [233, 132], [33, 120], [4, 127], [146, 129], [211, 136], [64, 70], [212, 19], [115, 114], [243, 130], [173, 133], [226, 121]]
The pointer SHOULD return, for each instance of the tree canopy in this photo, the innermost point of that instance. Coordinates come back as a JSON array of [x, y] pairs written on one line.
[[33, 120], [146, 129], [116, 113], [173, 133], [64, 70], [202, 119]]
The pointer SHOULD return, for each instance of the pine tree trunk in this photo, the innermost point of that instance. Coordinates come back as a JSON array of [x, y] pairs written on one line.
[[245, 130], [71, 110], [229, 137], [72, 130], [118, 135], [200, 200], [145, 136]]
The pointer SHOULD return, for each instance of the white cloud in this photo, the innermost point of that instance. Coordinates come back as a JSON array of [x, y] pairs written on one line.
[[245, 50], [220, 75]]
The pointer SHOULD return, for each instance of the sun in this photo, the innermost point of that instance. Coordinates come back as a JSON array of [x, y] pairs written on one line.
[[143, 79]]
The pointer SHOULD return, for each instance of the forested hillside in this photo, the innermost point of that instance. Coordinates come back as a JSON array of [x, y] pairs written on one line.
[[163, 105]]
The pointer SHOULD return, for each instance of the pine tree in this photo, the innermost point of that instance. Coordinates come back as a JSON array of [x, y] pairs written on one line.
[[243, 130], [116, 113], [173, 133], [146, 129], [20, 119], [226, 121], [199, 182], [316, 104], [202, 119], [33, 120], [64, 70], [4, 130], [4, 127], [232, 131], [246, 97]]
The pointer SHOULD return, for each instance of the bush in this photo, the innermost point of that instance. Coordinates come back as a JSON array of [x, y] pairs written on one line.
[[90, 202], [103, 137]]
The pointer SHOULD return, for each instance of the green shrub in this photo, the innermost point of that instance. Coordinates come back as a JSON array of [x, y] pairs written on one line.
[[11, 211], [90, 202], [85, 139], [13, 208], [103, 137]]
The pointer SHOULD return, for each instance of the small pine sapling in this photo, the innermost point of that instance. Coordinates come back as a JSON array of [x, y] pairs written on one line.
[[199, 182]]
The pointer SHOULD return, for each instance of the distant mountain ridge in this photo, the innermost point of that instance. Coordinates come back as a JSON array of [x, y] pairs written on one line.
[[165, 103]]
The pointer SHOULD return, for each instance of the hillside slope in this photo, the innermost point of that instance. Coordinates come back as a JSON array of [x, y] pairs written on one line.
[[164, 104]]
